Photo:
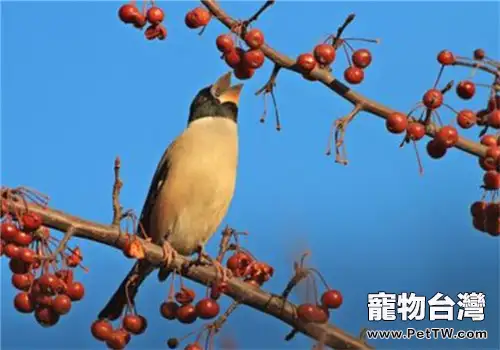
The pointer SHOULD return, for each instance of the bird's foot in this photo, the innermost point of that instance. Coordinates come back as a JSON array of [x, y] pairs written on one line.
[[204, 259], [169, 254]]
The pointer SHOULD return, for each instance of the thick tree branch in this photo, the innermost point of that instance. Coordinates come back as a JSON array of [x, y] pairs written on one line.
[[238, 290], [327, 79]]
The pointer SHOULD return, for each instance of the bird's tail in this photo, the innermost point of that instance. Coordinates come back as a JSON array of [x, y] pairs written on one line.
[[130, 285]]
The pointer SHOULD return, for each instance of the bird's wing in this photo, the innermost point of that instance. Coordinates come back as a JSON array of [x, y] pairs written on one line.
[[158, 181]]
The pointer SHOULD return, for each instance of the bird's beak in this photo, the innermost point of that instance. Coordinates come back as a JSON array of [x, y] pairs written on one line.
[[221, 85], [223, 90]]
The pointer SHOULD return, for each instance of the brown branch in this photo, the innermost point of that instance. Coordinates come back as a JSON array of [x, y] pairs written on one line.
[[256, 15], [327, 79], [238, 290], [478, 65], [117, 186]]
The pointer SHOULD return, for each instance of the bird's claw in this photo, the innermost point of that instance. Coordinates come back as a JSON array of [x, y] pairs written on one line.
[[204, 259], [169, 254]]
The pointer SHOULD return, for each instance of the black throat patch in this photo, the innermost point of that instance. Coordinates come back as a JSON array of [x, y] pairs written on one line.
[[205, 105]]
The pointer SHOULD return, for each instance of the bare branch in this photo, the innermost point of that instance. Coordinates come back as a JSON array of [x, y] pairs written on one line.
[[238, 290], [117, 186], [327, 79]]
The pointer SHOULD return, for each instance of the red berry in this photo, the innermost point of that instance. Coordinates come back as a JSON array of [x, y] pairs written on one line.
[[118, 339], [61, 304], [324, 54], [9, 231], [46, 317], [31, 221], [354, 75], [162, 32], [18, 266], [194, 346], [489, 140], [466, 119], [75, 291], [48, 283], [22, 281], [396, 122], [494, 119], [238, 263], [234, 57], [186, 314], [433, 99], [493, 154], [446, 57], [24, 303], [447, 135], [493, 211], [27, 255], [415, 131], [479, 224], [493, 103], [151, 33], [224, 43], [466, 89], [128, 13], [185, 296], [306, 62], [243, 72], [332, 299], [312, 313], [23, 238], [168, 310], [134, 324], [207, 308], [479, 54], [478, 209], [253, 59], [101, 330], [254, 38], [361, 58], [199, 17], [140, 21], [155, 15], [11, 250], [491, 180], [493, 227], [436, 149]]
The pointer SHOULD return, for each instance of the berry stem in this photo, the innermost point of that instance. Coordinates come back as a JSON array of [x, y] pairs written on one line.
[[438, 76], [216, 326]]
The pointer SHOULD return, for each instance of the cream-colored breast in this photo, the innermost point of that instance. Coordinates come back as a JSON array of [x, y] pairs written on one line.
[[200, 183]]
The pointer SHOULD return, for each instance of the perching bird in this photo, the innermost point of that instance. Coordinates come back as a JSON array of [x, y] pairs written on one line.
[[192, 187]]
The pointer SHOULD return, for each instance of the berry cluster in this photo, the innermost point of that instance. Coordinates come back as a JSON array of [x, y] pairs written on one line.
[[130, 14], [324, 55], [319, 313], [243, 62], [186, 311], [118, 338], [486, 217], [46, 289]]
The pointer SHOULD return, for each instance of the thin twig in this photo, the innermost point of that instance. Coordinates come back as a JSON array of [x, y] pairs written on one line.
[[260, 11], [217, 324], [117, 186], [341, 29]]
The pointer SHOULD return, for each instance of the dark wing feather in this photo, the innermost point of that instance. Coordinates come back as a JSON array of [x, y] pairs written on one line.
[[158, 181]]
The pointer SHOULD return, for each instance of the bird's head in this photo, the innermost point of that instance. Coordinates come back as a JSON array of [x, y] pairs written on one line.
[[219, 100]]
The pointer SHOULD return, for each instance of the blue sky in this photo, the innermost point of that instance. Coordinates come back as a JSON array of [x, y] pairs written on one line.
[[79, 87]]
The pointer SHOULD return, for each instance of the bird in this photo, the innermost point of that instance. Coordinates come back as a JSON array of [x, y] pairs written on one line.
[[192, 187]]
